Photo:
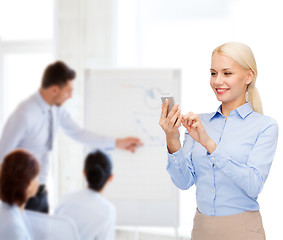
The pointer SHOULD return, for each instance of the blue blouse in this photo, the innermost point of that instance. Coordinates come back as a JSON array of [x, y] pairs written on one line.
[[13, 223], [229, 180]]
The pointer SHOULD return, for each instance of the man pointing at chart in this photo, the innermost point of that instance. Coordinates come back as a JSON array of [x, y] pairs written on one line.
[[35, 121]]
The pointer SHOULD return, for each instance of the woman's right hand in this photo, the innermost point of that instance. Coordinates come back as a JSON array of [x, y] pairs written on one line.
[[170, 124]]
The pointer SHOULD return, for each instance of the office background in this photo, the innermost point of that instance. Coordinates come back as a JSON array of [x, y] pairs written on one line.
[[141, 34]]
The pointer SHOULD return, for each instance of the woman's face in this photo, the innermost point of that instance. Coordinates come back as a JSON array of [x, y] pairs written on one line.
[[33, 187], [229, 80]]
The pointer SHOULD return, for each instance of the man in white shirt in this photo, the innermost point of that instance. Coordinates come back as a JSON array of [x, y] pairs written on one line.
[[35, 121], [93, 215]]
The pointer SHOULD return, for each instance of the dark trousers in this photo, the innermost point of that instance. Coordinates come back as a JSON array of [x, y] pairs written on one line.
[[39, 202]]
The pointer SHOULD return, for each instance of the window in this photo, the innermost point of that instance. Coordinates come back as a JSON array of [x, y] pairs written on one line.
[[26, 20], [25, 80], [26, 47]]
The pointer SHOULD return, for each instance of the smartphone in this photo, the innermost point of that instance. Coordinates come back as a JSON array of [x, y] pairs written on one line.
[[171, 99]]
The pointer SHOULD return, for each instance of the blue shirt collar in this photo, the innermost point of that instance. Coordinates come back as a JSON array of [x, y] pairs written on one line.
[[243, 111], [43, 105]]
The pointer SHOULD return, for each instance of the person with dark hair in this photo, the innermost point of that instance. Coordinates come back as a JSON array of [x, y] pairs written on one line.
[[93, 215], [18, 182], [33, 124]]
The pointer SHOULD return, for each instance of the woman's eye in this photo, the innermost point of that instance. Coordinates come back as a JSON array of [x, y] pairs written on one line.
[[212, 74], [227, 73]]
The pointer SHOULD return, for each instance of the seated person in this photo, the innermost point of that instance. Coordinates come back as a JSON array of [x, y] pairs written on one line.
[[18, 182], [93, 215]]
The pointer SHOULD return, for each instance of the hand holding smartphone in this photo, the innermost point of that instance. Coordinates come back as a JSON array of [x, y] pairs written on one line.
[[171, 99], [170, 125]]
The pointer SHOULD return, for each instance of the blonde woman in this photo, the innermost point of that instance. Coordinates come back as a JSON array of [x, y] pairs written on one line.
[[227, 153]]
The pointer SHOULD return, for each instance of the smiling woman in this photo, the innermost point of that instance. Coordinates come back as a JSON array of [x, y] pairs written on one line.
[[234, 71], [226, 154]]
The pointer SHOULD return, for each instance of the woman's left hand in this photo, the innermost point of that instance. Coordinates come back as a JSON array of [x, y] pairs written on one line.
[[196, 130]]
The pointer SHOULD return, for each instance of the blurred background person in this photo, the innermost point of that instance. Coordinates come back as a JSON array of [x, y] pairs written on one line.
[[18, 182], [36, 120], [93, 215]]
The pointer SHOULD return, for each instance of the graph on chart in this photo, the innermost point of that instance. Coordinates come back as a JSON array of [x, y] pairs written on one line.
[[147, 119], [148, 127], [151, 96]]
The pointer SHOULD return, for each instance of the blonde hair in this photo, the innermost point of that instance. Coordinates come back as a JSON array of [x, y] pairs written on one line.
[[243, 55]]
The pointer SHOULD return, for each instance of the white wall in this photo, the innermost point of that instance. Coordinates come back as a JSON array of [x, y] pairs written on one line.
[[84, 37]]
